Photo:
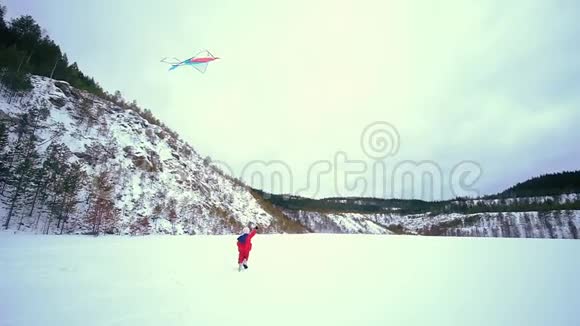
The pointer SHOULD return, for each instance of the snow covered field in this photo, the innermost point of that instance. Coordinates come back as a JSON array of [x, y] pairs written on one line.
[[292, 280]]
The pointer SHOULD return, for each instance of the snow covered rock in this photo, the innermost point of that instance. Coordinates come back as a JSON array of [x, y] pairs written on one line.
[[160, 184]]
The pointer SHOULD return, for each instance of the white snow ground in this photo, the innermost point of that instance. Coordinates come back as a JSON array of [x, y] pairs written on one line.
[[294, 280]]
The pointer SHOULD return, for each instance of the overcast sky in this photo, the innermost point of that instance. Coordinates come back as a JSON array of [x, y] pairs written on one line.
[[496, 83]]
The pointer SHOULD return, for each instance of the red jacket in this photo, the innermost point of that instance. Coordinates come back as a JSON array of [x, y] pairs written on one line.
[[245, 241]]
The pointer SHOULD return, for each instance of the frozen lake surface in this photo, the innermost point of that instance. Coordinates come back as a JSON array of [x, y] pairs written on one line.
[[314, 279]]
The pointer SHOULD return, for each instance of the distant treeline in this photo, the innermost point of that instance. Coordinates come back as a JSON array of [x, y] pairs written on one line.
[[345, 204], [545, 185]]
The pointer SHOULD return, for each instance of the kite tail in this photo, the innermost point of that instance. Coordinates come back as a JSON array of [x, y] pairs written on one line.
[[173, 67]]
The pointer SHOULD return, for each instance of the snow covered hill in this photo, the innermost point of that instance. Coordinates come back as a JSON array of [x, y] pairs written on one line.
[[71, 162], [311, 279], [159, 183]]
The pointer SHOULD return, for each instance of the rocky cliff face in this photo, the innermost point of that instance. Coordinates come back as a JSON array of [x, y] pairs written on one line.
[[555, 224]]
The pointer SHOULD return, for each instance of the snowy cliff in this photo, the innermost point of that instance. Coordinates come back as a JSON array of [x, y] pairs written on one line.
[[497, 218], [159, 184], [555, 224]]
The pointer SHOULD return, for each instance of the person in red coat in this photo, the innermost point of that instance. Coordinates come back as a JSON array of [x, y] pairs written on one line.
[[244, 247]]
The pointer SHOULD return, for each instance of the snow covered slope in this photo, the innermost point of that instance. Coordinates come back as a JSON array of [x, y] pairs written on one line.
[[337, 222], [292, 280], [160, 183]]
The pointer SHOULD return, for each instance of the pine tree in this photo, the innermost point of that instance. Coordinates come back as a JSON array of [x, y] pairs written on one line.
[[59, 173], [73, 181], [25, 128], [102, 213], [28, 32], [47, 178], [37, 182], [3, 27], [14, 151], [20, 180], [4, 170], [172, 213], [23, 159], [85, 114]]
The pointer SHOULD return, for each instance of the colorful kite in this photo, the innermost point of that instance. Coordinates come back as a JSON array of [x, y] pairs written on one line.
[[199, 61]]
